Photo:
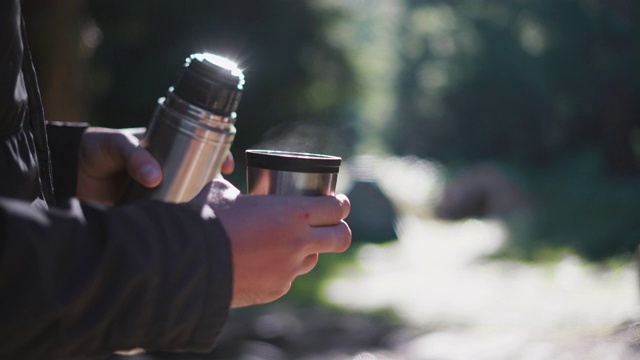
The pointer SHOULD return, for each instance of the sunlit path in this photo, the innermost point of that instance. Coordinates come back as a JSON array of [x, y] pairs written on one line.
[[437, 277]]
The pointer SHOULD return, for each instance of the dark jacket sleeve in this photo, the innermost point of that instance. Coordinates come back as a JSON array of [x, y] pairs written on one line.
[[85, 281], [13, 94], [64, 142]]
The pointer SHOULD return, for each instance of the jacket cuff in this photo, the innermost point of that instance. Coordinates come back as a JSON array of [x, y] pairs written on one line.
[[202, 324], [64, 142]]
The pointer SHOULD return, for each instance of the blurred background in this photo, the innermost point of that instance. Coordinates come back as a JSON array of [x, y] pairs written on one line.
[[491, 153]]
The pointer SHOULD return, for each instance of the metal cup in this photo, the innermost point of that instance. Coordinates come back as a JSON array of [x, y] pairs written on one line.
[[291, 173]]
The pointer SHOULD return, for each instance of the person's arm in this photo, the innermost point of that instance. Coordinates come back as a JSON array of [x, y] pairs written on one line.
[[86, 281]]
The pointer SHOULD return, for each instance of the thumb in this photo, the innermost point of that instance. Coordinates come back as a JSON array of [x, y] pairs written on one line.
[[140, 164], [144, 168]]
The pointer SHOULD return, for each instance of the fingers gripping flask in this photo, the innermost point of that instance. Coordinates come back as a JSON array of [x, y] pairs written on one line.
[[192, 129]]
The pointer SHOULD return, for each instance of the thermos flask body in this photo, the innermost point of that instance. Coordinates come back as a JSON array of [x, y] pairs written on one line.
[[192, 129], [190, 146]]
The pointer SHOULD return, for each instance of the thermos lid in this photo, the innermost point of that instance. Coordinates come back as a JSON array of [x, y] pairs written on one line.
[[292, 161], [211, 82]]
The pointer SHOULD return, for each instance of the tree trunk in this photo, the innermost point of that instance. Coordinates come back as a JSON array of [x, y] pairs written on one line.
[[618, 123], [55, 36]]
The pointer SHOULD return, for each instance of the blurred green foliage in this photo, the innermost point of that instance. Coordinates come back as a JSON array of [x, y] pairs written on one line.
[[546, 87], [294, 76], [579, 210], [309, 288], [521, 81]]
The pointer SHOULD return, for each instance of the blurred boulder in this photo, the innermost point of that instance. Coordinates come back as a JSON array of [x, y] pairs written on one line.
[[484, 190], [373, 217]]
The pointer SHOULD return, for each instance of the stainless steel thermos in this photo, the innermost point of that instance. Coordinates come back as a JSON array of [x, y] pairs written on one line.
[[192, 129]]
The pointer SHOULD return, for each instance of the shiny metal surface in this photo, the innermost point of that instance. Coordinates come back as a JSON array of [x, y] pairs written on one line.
[[190, 144], [266, 181], [291, 173]]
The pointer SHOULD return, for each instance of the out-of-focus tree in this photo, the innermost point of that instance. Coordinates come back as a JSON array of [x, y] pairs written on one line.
[[294, 76], [544, 88], [522, 81], [62, 39]]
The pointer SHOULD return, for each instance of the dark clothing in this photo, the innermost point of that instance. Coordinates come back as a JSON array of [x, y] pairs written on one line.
[[79, 280]]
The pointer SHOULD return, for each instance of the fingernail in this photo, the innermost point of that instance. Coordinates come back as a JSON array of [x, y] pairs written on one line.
[[149, 174]]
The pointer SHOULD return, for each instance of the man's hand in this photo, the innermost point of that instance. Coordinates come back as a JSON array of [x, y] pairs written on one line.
[[109, 157], [275, 238]]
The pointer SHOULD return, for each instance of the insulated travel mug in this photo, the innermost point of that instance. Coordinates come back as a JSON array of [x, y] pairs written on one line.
[[291, 173]]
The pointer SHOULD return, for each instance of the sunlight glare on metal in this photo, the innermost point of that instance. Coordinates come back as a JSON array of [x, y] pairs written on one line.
[[222, 62]]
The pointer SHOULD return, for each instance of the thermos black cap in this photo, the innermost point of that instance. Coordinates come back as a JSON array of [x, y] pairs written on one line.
[[211, 82]]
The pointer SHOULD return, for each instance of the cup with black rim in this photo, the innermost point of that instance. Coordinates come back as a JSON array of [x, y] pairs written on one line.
[[271, 172]]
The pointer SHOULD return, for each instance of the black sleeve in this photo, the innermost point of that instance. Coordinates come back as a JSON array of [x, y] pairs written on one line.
[[85, 281], [64, 142], [13, 94]]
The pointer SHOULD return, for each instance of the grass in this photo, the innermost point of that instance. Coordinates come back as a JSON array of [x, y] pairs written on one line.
[[308, 289]]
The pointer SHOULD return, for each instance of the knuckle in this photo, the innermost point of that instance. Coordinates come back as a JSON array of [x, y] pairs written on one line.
[[283, 285], [308, 263], [284, 289], [276, 288]]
